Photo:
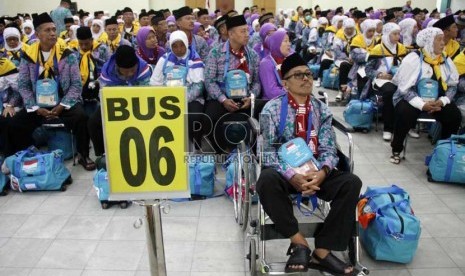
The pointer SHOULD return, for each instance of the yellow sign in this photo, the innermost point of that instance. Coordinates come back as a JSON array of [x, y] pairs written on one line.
[[145, 142]]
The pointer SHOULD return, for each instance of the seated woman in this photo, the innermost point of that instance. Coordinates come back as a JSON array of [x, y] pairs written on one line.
[[13, 46], [148, 48], [29, 35], [199, 30], [341, 48], [193, 78], [381, 67], [408, 33], [360, 49], [327, 44], [10, 99], [270, 72], [427, 63], [259, 47], [98, 29], [309, 119], [459, 99]]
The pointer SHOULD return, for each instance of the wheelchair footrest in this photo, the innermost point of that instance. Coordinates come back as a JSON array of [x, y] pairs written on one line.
[[309, 230]]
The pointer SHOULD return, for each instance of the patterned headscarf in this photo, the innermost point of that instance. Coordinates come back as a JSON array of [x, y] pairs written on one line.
[[425, 39], [387, 30], [406, 30]]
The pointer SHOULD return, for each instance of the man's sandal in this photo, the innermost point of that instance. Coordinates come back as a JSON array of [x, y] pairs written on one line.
[[299, 256], [395, 158], [330, 264]]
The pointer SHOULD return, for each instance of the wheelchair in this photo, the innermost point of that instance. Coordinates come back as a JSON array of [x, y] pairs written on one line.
[[240, 134], [260, 229]]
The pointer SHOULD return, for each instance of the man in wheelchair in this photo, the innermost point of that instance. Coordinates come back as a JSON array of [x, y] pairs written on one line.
[[311, 120]]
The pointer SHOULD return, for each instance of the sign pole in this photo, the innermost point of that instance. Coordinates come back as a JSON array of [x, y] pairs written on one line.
[[154, 232]]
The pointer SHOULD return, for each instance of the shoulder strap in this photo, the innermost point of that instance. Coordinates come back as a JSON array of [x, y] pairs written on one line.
[[283, 115], [421, 64]]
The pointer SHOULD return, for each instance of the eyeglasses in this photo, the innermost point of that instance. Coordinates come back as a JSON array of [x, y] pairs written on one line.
[[301, 75]]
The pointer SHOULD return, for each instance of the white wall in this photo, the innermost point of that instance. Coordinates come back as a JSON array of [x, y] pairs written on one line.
[[363, 4], [286, 4], [457, 5], [12, 7]]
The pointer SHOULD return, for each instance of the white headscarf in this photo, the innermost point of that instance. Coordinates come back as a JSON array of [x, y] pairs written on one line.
[[180, 35], [406, 30], [314, 23], [348, 23], [377, 22], [12, 32], [76, 18], [86, 21], [28, 23], [73, 28], [322, 21], [425, 39], [255, 23], [102, 28], [367, 25], [387, 30], [336, 20]]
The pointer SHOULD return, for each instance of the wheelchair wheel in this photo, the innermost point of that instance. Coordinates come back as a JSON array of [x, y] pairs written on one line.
[[252, 258], [237, 189]]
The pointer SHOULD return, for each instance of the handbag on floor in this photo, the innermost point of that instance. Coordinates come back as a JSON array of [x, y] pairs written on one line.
[[389, 230], [359, 114], [202, 176], [331, 78], [3, 180], [34, 170], [447, 162]]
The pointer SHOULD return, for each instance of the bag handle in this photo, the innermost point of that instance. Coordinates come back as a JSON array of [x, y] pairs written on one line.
[[394, 189], [402, 204]]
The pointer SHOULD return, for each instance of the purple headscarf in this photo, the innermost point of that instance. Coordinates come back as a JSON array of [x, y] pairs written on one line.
[[424, 25], [170, 19], [274, 41], [267, 27], [253, 17], [408, 15], [196, 27], [247, 14], [375, 15], [141, 38]]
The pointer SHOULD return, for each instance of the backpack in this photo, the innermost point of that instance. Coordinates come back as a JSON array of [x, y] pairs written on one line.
[[389, 230], [34, 170], [61, 139], [331, 78], [236, 84], [447, 162], [359, 114]]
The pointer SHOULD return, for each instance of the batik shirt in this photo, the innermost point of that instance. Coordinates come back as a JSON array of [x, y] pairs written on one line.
[[269, 126]]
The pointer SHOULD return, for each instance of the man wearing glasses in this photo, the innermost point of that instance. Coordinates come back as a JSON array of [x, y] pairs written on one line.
[[310, 119]]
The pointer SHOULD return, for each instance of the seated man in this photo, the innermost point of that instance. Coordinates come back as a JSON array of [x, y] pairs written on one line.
[[232, 55], [92, 57], [124, 68], [50, 85], [278, 180]]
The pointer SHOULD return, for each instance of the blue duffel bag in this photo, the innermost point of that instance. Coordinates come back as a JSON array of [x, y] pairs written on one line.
[[34, 170], [331, 78], [359, 114], [447, 162], [389, 230], [315, 69], [3, 180], [202, 176]]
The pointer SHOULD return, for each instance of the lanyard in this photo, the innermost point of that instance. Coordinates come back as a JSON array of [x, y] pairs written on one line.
[[283, 119], [226, 61], [278, 78]]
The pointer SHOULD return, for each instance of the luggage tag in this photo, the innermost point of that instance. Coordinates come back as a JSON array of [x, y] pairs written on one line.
[[176, 76], [297, 154], [47, 93]]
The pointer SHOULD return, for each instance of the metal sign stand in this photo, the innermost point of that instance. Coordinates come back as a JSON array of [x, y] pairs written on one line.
[[154, 232]]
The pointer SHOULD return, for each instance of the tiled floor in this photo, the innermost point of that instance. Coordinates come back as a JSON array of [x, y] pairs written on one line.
[[55, 233]]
